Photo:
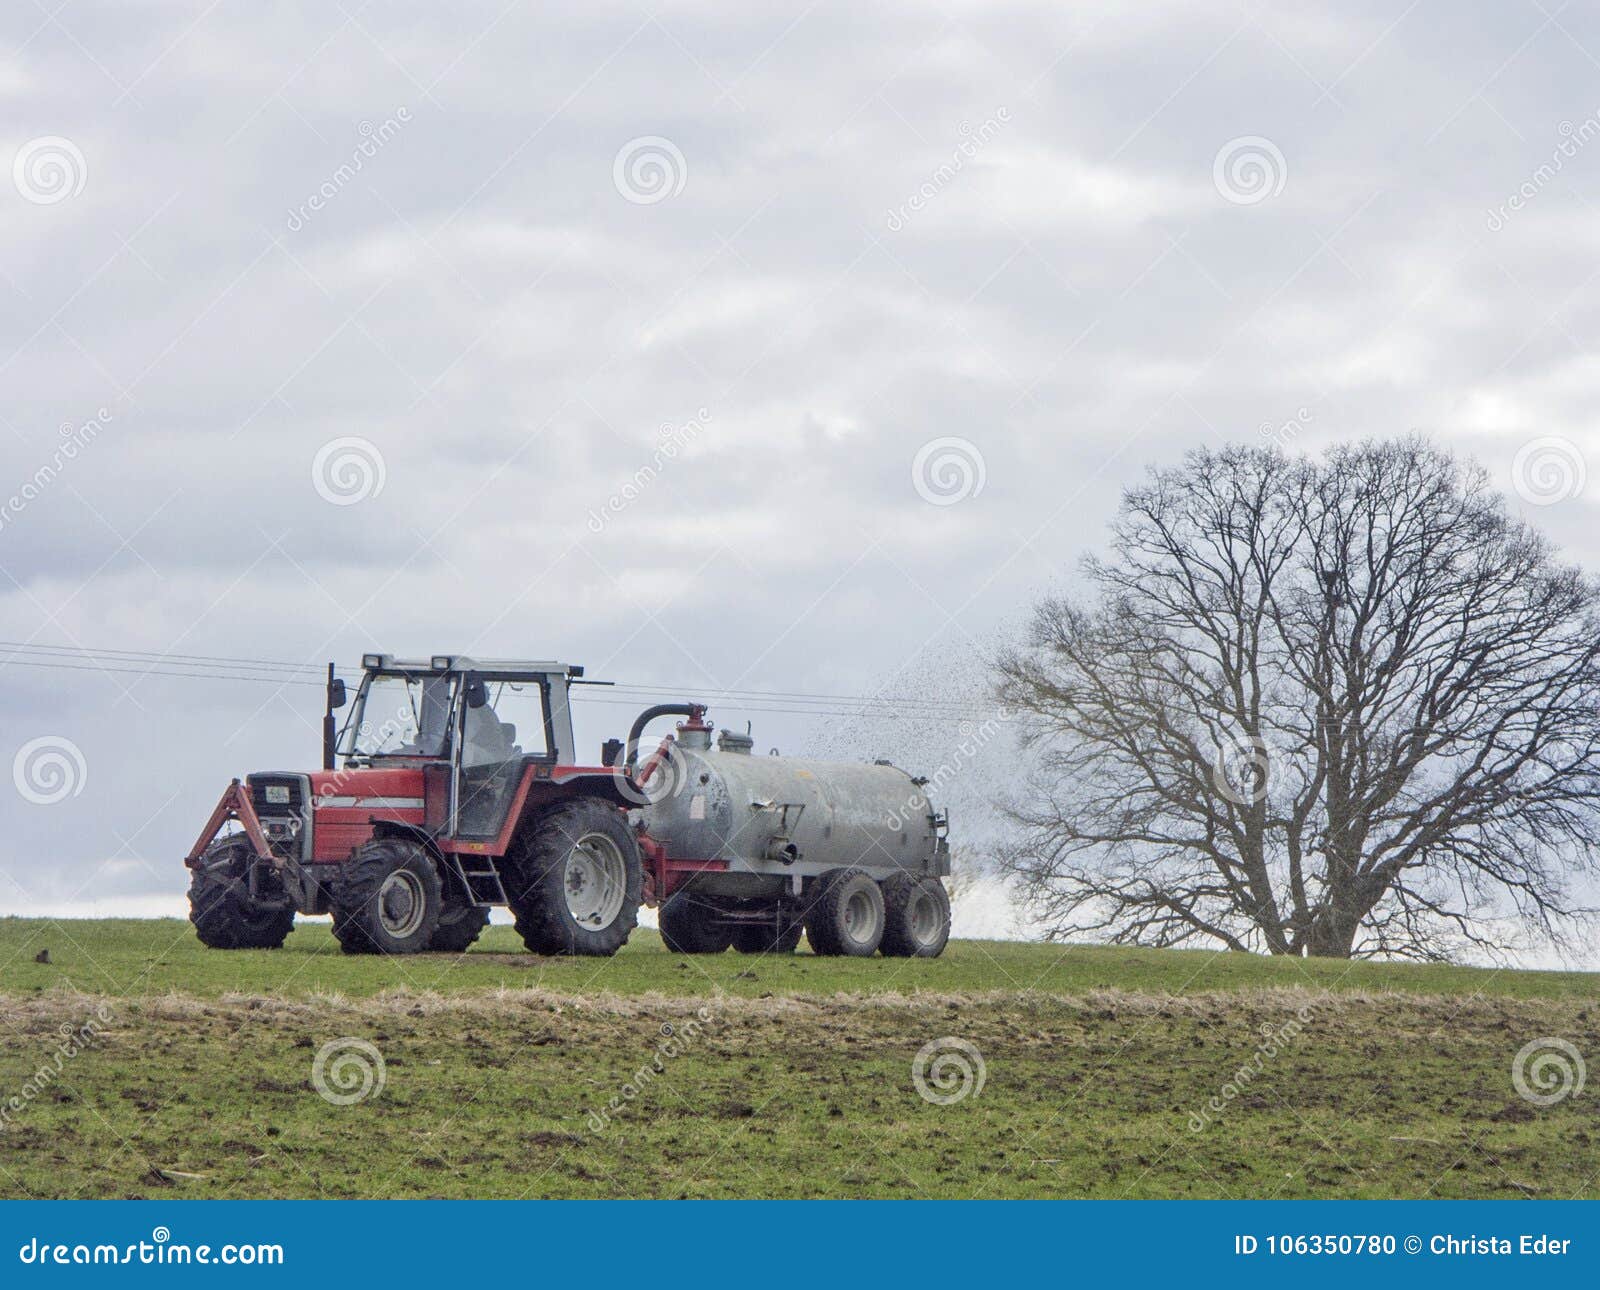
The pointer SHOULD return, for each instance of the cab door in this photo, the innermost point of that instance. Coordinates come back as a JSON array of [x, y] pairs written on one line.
[[496, 738]]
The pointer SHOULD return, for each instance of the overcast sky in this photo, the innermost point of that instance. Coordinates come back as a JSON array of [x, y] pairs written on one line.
[[345, 326]]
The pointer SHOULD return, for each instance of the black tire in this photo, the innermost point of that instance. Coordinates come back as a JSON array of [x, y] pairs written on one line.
[[845, 914], [916, 917], [224, 916], [689, 926], [767, 938], [557, 870], [387, 898], [460, 923]]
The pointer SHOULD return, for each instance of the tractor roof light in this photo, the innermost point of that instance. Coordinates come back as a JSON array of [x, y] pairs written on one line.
[[440, 662], [371, 662]]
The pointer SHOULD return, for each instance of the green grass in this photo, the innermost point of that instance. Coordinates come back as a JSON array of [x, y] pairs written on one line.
[[157, 956], [1106, 1073]]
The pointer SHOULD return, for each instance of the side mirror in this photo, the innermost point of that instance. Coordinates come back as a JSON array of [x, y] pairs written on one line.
[[477, 694], [336, 695]]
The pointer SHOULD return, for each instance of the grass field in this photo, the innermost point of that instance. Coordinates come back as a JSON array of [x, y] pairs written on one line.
[[134, 1063]]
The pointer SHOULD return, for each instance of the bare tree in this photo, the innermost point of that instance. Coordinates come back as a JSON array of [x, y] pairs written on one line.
[[1346, 707]]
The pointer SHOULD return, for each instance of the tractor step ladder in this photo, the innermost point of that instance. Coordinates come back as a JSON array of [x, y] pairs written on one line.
[[482, 876]]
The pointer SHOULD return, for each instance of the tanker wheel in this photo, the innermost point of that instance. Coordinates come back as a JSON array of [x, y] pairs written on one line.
[[916, 917], [575, 881], [387, 898], [845, 915], [224, 916], [767, 938], [689, 926], [460, 922]]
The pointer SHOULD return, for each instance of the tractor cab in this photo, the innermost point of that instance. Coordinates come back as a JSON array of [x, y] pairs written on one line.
[[471, 726]]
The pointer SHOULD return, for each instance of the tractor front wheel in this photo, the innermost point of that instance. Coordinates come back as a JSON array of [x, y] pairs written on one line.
[[575, 880], [387, 898], [460, 923], [224, 915]]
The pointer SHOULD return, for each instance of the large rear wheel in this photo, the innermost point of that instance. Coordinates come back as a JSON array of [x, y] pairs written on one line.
[[575, 880], [387, 898], [224, 914]]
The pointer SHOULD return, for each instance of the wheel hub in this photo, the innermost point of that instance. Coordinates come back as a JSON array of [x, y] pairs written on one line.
[[858, 917], [401, 904], [595, 882]]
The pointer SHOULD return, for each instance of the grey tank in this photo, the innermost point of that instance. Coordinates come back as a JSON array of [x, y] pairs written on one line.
[[775, 819]]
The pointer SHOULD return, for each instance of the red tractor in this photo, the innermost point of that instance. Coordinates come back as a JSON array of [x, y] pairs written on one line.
[[460, 789]]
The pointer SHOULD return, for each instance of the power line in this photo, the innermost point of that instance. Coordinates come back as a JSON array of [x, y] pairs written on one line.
[[154, 656], [216, 666], [145, 671]]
